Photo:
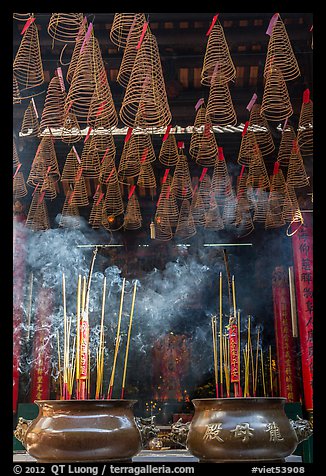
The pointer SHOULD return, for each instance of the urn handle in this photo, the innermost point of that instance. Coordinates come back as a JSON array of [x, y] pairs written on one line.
[[21, 429], [302, 428]]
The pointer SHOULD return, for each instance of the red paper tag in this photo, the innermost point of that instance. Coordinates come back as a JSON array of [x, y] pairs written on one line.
[[142, 35], [71, 197], [234, 357], [105, 154], [76, 154], [35, 188], [212, 24], [203, 174], [220, 153], [242, 170], [69, 107], [131, 191], [41, 197], [181, 145], [79, 173], [272, 24], [295, 147], [100, 108], [27, 24], [252, 102], [199, 103], [166, 173], [100, 198], [167, 132], [61, 81], [98, 186], [276, 167], [48, 170], [132, 27], [207, 129], [128, 134], [18, 167], [168, 192], [88, 134], [184, 191], [110, 175], [306, 96], [194, 189], [87, 36], [143, 158], [245, 128]]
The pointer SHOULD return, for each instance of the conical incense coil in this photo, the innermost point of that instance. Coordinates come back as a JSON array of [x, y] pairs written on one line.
[[247, 147], [79, 195], [229, 210], [169, 154], [276, 104], [19, 189], [75, 54], [261, 130], [217, 52], [257, 175], [296, 174], [83, 82], [220, 110], [205, 192], [145, 98], [44, 162], [167, 203], [275, 205], [291, 209], [280, 53], [15, 158], [102, 111], [198, 209], [69, 214], [108, 171], [53, 111], [37, 218], [163, 230], [181, 183], [104, 144], [306, 129], [48, 189], [243, 219], [70, 131], [261, 202], [96, 213], [132, 218], [90, 161], [213, 219], [65, 26], [30, 124], [130, 50], [113, 198], [203, 145], [16, 99], [122, 23], [21, 16], [286, 144], [221, 187], [186, 226], [138, 150], [27, 67], [146, 177], [111, 222], [70, 167]]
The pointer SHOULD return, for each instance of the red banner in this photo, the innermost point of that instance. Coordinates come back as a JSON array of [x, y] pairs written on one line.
[[18, 296], [84, 341], [41, 367], [285, 344], [234, 357], [302, 244]]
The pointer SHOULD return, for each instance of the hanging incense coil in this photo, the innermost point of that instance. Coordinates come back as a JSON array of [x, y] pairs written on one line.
[[16, 99], [145, 101], [181, 186], [276, 104], [113, 198], [27, 67], [276, 198], [167, 203], [286, 144], [53, 111], [221, 187], [96, 213], [217, 51], [15, 158], [243, 219], [38, 217], [291, 209], [130, 50], [30, 124], [44, 162], [104, 144], [198, 209], [257, 175], [48, 188], [247, 147], [220, 110], [296, 174], [229, 209], [280, 53], [70, 167], [163, 230], [21, 16], [19, 189], [132, 218], [121, 26], [70, 131], [79, 195], [102, 113], [65, 26], [261, 129], [306, 129], [146, 177], [169, 154], [205, 192], [186, 226], [203, 146], [108, 171], [261, 203], [76, 52], [139, 149], [70, 217], [213, 219], [90, 161]]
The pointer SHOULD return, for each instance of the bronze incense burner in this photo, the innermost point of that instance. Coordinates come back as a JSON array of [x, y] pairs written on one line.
[[81, 430]]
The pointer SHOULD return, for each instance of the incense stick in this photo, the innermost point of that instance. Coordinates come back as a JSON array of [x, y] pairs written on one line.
[[256, 367], [213, 321], [78, 335], [128, 341], [59, 366], [221, 330], [262, 371], [99, 375]]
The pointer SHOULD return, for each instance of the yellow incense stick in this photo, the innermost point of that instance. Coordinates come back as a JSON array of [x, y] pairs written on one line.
[[59, 365], [128, 337], [220, 340], [101, 344], [270, 370], [213, 322], [256, 366]]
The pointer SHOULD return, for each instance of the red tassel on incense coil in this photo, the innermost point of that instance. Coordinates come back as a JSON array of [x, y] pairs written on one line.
[[296, 174], [181, 186], [27, 67], [280, 53], [220, 110], [65, 26], [276, 104], [286, 144], [37, 218], [169, 153], [123, 25], [75, 55], [186, 226], [217, 51], [145, 101], [291, 209], [53, 110], [130, 50], [203, 146], [30, 124], [306, 127], [261, 130], [70, 214], [275, 205], [132, 218]]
